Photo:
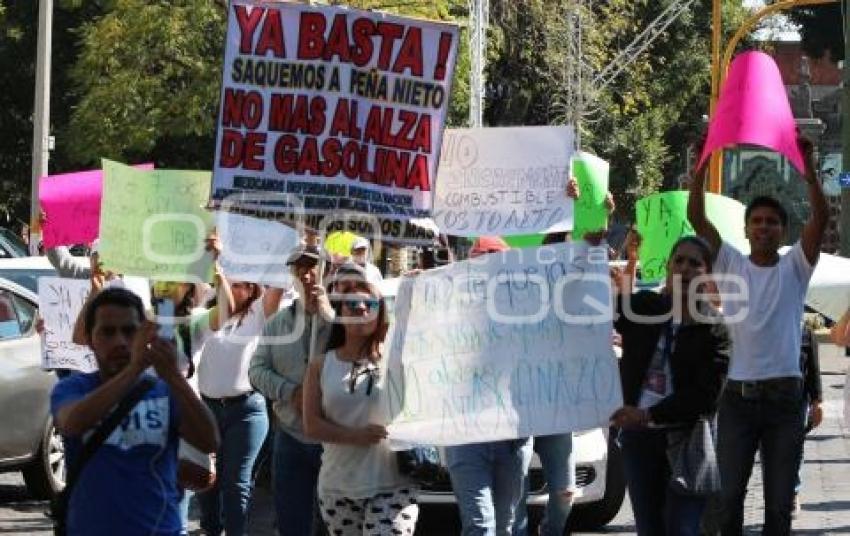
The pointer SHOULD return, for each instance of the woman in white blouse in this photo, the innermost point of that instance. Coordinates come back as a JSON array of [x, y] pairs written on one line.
[[229, 341]]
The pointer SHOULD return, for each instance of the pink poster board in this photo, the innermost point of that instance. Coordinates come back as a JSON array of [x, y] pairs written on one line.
[[753, 109], [71, 202]]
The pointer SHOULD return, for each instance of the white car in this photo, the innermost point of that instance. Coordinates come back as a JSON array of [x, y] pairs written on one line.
[[599, 472], [29, 443]]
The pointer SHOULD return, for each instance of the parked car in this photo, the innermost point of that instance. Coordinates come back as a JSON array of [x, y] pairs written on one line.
[[11, 245], [28, 443], [25, 271], [599, 472]]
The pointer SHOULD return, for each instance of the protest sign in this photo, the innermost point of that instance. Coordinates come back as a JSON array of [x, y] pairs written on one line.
[[71, 202], [753, 109], [591, 173], [507, 345], [663, 218], [255, 250], [59, 303], [153, 224], [341, 107], [498, 181]]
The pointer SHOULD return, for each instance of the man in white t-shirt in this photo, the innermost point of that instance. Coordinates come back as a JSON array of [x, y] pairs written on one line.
[[762, 405]]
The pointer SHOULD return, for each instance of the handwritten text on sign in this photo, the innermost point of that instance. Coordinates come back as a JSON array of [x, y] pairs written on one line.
[[504, 181], [509, 345], [662, 219], [153, 224], [60, 301], [344, 108]]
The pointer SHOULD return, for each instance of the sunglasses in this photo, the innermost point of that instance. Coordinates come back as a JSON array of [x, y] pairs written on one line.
[[371, 304]]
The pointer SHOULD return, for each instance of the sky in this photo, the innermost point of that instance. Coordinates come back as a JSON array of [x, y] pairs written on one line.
[[778, 26]]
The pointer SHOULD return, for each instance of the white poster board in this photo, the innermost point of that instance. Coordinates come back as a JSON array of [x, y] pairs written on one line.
[[504, 181], [509, 345], [59, 302], [255, 250]]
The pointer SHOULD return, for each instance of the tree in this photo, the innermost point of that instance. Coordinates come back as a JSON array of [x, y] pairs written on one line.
[[643, 121], [19, 25], [149, 78], [821, 30]]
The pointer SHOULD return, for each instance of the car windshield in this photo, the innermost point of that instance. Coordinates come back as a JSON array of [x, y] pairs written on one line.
[[26, 277], [14, 242]]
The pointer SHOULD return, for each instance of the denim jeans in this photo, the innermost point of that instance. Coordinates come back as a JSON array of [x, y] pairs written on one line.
[[658, 510], [295, 472], [487, 479], [559, 470], [769, 419], [243, 425]]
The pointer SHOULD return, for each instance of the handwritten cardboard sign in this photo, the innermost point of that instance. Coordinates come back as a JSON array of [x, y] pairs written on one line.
[[508, 345], [504, 181], [60, 302], [153, 223], [255, 250], [341, 107], [662, 219], [753, 109], [71, 202]]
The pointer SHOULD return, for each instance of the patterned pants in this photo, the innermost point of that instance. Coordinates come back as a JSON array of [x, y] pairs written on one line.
[[385, 514]]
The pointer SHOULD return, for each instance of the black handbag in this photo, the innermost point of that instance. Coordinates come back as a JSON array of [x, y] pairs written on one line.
[[692, 457], [59, 503], [422, 464]]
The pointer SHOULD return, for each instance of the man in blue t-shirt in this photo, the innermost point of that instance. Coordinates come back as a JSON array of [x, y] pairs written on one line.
[[129, 486]]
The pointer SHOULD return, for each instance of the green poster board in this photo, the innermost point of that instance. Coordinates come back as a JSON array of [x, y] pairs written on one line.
[[663, 218], [153, 224]]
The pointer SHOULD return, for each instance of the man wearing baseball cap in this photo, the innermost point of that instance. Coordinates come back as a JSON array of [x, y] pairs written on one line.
[[277, 371]]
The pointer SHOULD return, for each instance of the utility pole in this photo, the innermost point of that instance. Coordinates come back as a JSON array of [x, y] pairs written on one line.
[[844, 227], [41, 113], [479, 14]]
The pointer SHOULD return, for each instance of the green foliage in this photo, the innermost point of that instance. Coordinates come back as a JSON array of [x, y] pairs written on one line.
[[645, 119], [139, 80], [149, 78]]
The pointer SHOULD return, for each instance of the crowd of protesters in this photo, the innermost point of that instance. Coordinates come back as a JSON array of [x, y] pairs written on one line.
[[306, 368]]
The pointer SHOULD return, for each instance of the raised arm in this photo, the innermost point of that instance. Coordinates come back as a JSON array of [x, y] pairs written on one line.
[[696, 211], [813, 231]]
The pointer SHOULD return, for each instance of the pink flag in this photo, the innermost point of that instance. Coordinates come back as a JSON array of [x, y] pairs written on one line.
[[753, 109], [71, 202]]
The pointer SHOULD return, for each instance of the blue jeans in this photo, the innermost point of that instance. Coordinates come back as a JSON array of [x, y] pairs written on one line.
[[295, 472], [243, 425], [487, 479], [658, 509], [769, 419], [559, 470]]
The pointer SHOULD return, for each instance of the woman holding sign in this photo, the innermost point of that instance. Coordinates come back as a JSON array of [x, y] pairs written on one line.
[[675, 352], [231, 334], [360, 489]]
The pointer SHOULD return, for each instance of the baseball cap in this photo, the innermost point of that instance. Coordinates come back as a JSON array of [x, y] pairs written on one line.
[[304, 253], [488, 244], [360, 243]]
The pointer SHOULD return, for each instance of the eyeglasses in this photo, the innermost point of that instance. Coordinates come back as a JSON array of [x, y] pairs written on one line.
[[360, 369], [371, 304]]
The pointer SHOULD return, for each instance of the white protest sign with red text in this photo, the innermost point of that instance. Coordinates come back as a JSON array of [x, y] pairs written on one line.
[[342, 108]]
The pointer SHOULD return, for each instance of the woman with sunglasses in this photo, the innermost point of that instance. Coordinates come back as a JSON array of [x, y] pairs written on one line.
[[360, 488], [675, 353], [231, 336]]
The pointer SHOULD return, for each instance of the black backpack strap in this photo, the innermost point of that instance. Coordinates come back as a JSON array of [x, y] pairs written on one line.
[[104, 430]]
